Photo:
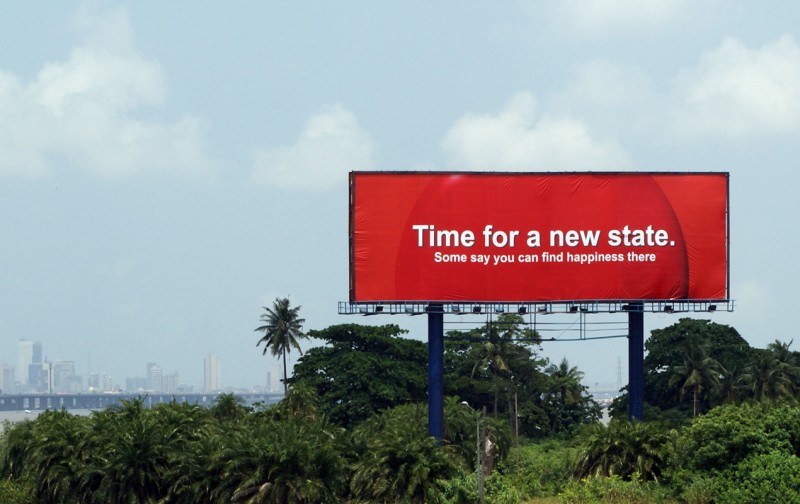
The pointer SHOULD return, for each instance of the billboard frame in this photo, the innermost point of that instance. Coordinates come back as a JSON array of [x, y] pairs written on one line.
[[598, 304]]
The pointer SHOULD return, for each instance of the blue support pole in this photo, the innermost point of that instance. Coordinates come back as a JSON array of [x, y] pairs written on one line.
[[436, 371], [636, 361]]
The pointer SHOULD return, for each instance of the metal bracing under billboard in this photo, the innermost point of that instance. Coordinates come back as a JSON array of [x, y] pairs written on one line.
[[541, 308], [577, 321]]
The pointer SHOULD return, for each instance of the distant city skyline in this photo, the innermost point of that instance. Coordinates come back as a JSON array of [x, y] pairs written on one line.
[[42, 375]]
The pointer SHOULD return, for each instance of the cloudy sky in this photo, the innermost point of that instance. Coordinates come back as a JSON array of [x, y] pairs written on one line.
[[167, 168]]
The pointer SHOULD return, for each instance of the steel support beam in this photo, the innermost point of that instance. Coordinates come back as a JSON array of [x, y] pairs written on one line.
[[436, 371], [636, 361]]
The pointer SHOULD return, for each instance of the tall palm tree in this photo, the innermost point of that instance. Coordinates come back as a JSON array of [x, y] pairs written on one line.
[[772, 373], [788, 361], [699, 372], [563, 394], [282, 328], [565, 382]]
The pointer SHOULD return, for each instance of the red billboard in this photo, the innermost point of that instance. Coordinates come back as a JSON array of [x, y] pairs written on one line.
[[528, 237]]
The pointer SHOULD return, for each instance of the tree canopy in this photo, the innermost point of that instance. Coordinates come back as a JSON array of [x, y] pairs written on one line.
[[667, 350], [363, 370]]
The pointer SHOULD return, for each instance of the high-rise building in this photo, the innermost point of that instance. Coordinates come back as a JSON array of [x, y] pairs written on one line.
[[39, 377], [135, 385], [100, 383], [64, 380], [6, 378], [24, 359], [94, 383], [211, 373], [153, 377], [108, 383], [36, 357], [169, 383], [274, 381]]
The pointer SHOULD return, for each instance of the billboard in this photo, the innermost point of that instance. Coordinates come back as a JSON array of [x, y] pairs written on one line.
[[528, 237]]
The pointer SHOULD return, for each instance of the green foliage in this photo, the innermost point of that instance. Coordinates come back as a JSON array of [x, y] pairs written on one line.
[[667, 349], [296, 460], [362, 370], [566, 400], [46, 455], [730, 434], [763, 478], [698, 490], [500, 490], [398, 462], [724, 437], [630, 450], [15, 493], [538, 470], [497, 366], [174, 453], [460, 489], [772, 374], [282, 327], [228, 407], [783, 421], [613, 490], [697, 373]]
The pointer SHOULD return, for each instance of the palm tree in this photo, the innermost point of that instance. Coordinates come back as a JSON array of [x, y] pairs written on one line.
[[282, 328], [626, 449], [698, 373], [565, 382], [564, 394], [788, 361], [228, 407], [497, 348], [398, 461], [772, 374]]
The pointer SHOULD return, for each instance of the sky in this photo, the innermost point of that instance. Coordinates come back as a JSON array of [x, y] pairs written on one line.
[[169, 168]]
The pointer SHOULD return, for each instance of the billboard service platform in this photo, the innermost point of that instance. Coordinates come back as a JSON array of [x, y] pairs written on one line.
[[526, 237]]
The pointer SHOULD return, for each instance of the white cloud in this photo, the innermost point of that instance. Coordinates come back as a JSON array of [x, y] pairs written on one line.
[[735, 91], [593, 17], [518, 138], [331, 144], [84, 109], [731, 92]]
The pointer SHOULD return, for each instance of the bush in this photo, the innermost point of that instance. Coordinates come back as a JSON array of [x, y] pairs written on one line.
[[462, 489], [15, 493], [539, 470], [724, 437], [699, 490], [767, 478], [613, 490], [630, 450]]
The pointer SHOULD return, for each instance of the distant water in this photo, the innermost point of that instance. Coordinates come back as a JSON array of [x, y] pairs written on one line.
[[19, 416]]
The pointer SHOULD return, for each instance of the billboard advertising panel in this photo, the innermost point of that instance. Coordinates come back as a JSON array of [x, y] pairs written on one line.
[[525, 237]]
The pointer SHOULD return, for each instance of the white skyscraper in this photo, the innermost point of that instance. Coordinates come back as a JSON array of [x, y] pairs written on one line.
[[153, 377], [6, 378], [211, 373], [25, 359]]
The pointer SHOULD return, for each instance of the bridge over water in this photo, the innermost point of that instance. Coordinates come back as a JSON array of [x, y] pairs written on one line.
[[33, 402]]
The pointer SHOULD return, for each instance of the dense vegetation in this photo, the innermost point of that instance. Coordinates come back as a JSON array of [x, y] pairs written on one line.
[[723, 426]]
